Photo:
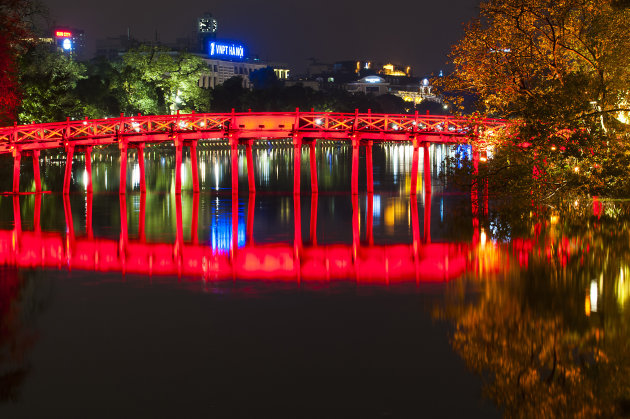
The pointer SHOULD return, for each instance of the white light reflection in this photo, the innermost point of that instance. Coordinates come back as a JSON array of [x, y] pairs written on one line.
[[593, 296]]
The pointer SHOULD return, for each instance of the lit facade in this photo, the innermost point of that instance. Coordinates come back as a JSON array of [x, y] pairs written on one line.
[[221, 70], [375, 85]]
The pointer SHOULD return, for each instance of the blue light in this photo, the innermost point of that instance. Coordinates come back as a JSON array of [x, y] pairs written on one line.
[[226, 50], [66, 44]]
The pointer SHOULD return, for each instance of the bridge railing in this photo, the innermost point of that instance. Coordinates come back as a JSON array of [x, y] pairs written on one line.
[[54, 134]]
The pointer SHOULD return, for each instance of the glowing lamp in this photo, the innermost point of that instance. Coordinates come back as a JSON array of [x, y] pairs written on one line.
[[66, 44]]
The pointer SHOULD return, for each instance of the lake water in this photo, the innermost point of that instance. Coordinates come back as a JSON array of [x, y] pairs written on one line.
[[324, 305]]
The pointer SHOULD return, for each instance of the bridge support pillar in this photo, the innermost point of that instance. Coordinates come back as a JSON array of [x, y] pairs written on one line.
[[297, 163], [251, 180], [123, 169], [369, 219], [36, 174], [194, 162], [251, 205], [234, 158], [142, 218], [88, 169], [427, 191], [37, 215], [414, 168], [313, 224], [313, 163], [68, 173], [179, 240], [17, 157], [88, 216], [369, 167], [178, 166], [356, 233], [234, 226], [143, 183], [354, 183], [297, 236]]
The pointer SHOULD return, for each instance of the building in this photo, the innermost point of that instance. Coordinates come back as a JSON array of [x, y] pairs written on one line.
[[375, 85], [70, 41], [221, 70]]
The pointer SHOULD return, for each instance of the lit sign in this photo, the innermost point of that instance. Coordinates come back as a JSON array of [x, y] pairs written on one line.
[[63, 34], [227, 50], [373, 79], [66, 44]]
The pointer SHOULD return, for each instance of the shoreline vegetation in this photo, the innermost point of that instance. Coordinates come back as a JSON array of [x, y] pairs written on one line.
[[562, 70]]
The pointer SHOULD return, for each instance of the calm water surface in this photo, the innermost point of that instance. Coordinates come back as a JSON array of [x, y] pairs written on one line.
[[325, 305]]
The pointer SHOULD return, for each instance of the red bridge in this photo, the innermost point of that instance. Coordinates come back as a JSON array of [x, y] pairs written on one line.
[[360, 129]]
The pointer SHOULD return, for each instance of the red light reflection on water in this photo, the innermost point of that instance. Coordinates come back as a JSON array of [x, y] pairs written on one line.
[[420, 261]]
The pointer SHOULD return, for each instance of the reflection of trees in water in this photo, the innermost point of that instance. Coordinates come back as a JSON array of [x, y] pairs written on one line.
[[23, 296], [552, 338]]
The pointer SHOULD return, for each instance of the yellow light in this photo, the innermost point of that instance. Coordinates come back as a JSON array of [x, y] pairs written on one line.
[[553, 148], [576, 169], [482, 237]]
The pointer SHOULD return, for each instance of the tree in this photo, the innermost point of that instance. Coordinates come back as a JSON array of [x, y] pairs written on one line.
[[563, 69], [155, 80], [17, 17], [48, 81], [527, 58]]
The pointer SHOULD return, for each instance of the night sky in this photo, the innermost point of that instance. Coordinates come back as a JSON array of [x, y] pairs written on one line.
[[409, 32]]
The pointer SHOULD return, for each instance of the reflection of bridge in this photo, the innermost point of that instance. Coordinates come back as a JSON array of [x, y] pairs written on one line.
[[420, 261], [236, 128]]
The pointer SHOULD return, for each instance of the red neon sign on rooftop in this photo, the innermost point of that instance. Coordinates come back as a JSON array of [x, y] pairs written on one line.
[[63, 34]]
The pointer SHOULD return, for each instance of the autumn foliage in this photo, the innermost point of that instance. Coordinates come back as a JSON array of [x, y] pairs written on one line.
[[562, 70]]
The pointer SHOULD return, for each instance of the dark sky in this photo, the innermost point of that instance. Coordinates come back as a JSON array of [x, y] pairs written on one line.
[[410, 32]]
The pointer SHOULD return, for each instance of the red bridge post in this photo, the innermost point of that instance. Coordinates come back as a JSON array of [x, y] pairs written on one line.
[[251, 181], [427, 191], [195, 166], [123, 167], [297, 162], [37, 215], [194, 224], [251, 205], [88, 216], [178, 164], [369, 219], [36, 174], [17, 156], [313, 163], [68, 173], [88, 168], [356, 233], [234, 226], [234, 158], [354, 183], [369, 167], [313, 223], [414, 167], [297, 235], [415, 225], [143, 183], [142, 218]]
